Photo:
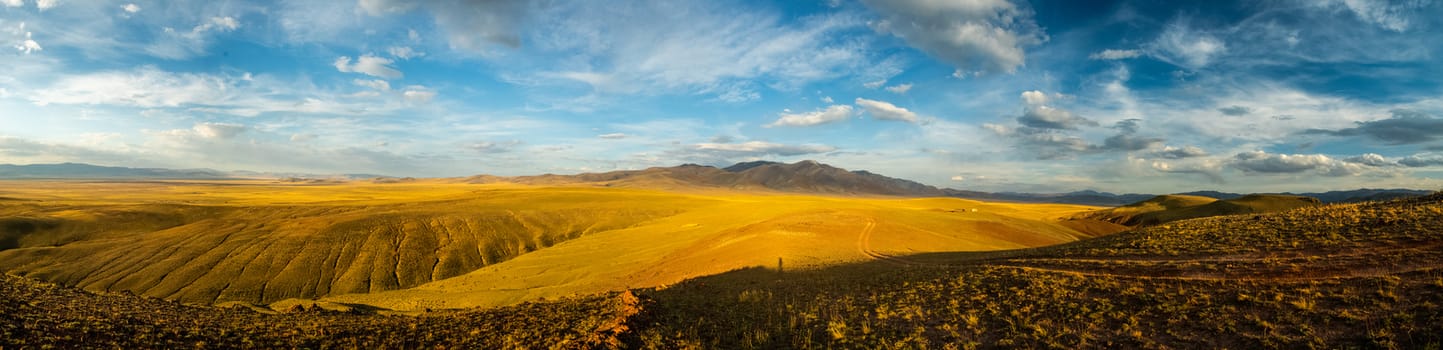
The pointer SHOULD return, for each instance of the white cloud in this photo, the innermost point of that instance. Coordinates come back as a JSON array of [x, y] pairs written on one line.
[[874, 84], [831, 114], [697, 47], [28, 45], [404, 52], [958, 178], [827, 99], [146, 87], [1185, 47], [1259, 162], [377, 84], [46, 4], [218, 130], [219, 24], [981, 35], [763, 148], [1389, 15], [149, 87], [418, 94], [385, 7], [369, 65], [13, 3], [900, 88], [886, 111], [612, 136], [1111, 54], [1034, 97], [131, 8]]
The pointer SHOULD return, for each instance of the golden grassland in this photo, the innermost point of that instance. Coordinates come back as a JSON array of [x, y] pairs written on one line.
[[1338, 276], [436, 244]]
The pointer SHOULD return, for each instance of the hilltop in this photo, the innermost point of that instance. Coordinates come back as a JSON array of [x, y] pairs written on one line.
[[1168, 208]]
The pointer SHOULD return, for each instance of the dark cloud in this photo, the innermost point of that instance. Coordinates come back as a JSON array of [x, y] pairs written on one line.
[[1128, 142], [1405, 127], [1127, 126], [1422, 160], [1045, 117], [1235, 111], [1181, 152]]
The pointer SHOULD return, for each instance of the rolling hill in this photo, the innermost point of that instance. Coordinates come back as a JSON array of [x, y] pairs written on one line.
[[1330, 276], [1168, 208], [262, 242]]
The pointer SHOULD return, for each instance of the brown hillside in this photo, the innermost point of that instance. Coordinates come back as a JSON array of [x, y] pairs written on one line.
[[801, 177], [1167, 208]]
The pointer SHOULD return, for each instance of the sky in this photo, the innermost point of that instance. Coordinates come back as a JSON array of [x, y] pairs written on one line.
[[989, 95]]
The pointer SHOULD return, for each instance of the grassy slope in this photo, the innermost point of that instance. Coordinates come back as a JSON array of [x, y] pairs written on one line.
[[1367, 275], [736, 232], [1340, 276], [1168, 208], [267, 242], [264, 242]]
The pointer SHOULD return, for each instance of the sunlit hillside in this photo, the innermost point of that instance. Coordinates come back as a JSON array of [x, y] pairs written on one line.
[[436, 244], [1167, 208], [1338, 276]]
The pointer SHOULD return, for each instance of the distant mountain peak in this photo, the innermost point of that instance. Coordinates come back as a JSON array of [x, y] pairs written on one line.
[[744, 166]]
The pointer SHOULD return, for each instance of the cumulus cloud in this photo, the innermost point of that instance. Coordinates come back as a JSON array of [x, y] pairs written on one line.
[[1404, 127], [761, 148], [1170, 152], [831, 114], [1369, 159], [1259, 162], [1111, 54], [43, 5], [975, 36], [882, 110], [1211, 169], [28, 45], [131, 8], [368, 65], [900, 88], [1183, 46], [1036, 113], [13, 3], [612, 136], [218, 130]]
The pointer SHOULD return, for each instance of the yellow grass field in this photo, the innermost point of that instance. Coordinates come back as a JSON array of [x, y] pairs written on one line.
[[443, 244]]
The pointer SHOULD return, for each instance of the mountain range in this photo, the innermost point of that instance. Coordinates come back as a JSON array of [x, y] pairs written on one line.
[[801, 177]]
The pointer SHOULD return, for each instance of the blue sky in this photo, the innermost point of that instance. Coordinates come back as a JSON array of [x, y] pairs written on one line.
[[993, 95]]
